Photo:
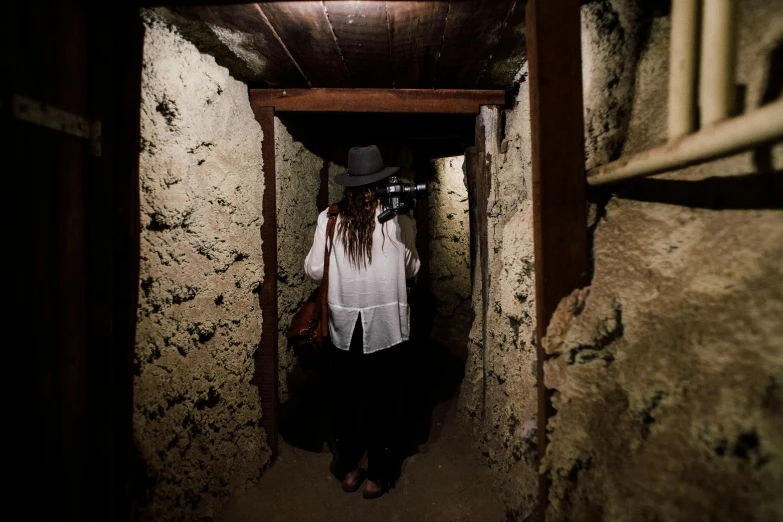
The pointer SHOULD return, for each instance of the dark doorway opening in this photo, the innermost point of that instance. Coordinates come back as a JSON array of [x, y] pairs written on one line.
[[421, 145]]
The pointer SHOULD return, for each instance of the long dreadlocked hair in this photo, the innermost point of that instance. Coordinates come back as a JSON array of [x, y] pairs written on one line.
[[357, 223]]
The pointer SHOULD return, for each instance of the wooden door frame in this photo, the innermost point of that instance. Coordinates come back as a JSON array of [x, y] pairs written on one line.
[[558, 174], [265, 104]]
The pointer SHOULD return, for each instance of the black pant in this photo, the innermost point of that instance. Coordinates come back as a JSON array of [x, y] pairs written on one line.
[[369, 398]]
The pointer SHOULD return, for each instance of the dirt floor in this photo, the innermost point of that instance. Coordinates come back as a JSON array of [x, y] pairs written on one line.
[[447, 480]]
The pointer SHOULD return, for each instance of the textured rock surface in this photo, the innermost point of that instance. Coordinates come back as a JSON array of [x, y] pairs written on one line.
[[501, 394], [500, 385], [298, 182], [449, 254], [335, 190], [610, 47], [196, 416], [667, 370]]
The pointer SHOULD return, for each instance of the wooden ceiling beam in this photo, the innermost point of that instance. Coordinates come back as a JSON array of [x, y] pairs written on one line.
[[362, 33], [415, 35], [435, 101], [250, 35], [510, 53], [473, 30], [306, 32]]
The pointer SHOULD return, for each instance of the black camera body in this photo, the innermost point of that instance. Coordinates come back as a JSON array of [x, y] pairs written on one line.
[[400, 197]]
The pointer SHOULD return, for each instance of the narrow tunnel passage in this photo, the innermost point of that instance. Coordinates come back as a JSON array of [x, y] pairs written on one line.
[[193, 105], [645, 312], [437, 444], [441, 462]]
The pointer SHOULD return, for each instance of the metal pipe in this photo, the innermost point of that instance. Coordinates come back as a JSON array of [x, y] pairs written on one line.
[[683, 52], [762, 125], [718, 60]]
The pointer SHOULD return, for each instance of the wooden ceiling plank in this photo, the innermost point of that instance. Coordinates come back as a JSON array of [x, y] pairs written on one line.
[[415, 35], [509, 55], [243, 29], [473, 30], [376, 100], [305, 30], [362, 33]]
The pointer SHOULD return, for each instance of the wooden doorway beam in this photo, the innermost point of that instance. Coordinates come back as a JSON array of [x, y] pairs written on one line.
[[488, 138], [416, 101], [266, 357], [557, 142]]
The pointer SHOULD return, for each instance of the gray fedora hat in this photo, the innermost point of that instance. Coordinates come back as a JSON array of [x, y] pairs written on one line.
[[365, 166]]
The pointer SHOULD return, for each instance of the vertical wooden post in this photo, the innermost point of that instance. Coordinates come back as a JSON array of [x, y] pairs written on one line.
[[557, 142], [266, 358], [486, 150], [482, 245]]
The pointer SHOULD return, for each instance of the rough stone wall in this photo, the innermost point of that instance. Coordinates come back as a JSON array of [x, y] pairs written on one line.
[[196, 416], [499, 393], [610, 46], [667, 369], [449, 254], [298, 182], [335, 190]]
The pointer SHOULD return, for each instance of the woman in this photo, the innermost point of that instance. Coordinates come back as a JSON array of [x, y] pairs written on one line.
[[369, 320]]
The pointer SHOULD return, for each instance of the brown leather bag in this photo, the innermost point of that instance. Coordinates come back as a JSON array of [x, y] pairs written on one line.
[[309, 330]]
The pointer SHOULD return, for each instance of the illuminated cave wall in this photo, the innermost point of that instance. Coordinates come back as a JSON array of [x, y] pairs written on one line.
[[449, 238], [667, 369], [196, 415], [498, 393], [298, 178]]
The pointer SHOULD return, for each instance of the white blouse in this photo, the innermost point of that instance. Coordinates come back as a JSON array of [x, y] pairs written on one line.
[[378, 291]]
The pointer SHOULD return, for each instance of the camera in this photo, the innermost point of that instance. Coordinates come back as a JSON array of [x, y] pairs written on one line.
[[400, 197]]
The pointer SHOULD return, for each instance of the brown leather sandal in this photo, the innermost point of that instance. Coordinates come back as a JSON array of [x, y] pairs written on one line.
[[352, 483], [373, 490]]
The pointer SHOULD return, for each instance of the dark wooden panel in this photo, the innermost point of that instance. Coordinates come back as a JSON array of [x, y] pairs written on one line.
[[116, 41], [305, 30], [557, 143], [69, 44], [246, 32], [33, 168], [509, 54], [48, 352], [415, 33], [266, 357], [376, 100], [362, 32], [74, 323], [473, 29]]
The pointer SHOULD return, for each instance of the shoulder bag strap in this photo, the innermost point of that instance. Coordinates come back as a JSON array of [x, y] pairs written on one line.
[[323, 293]]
